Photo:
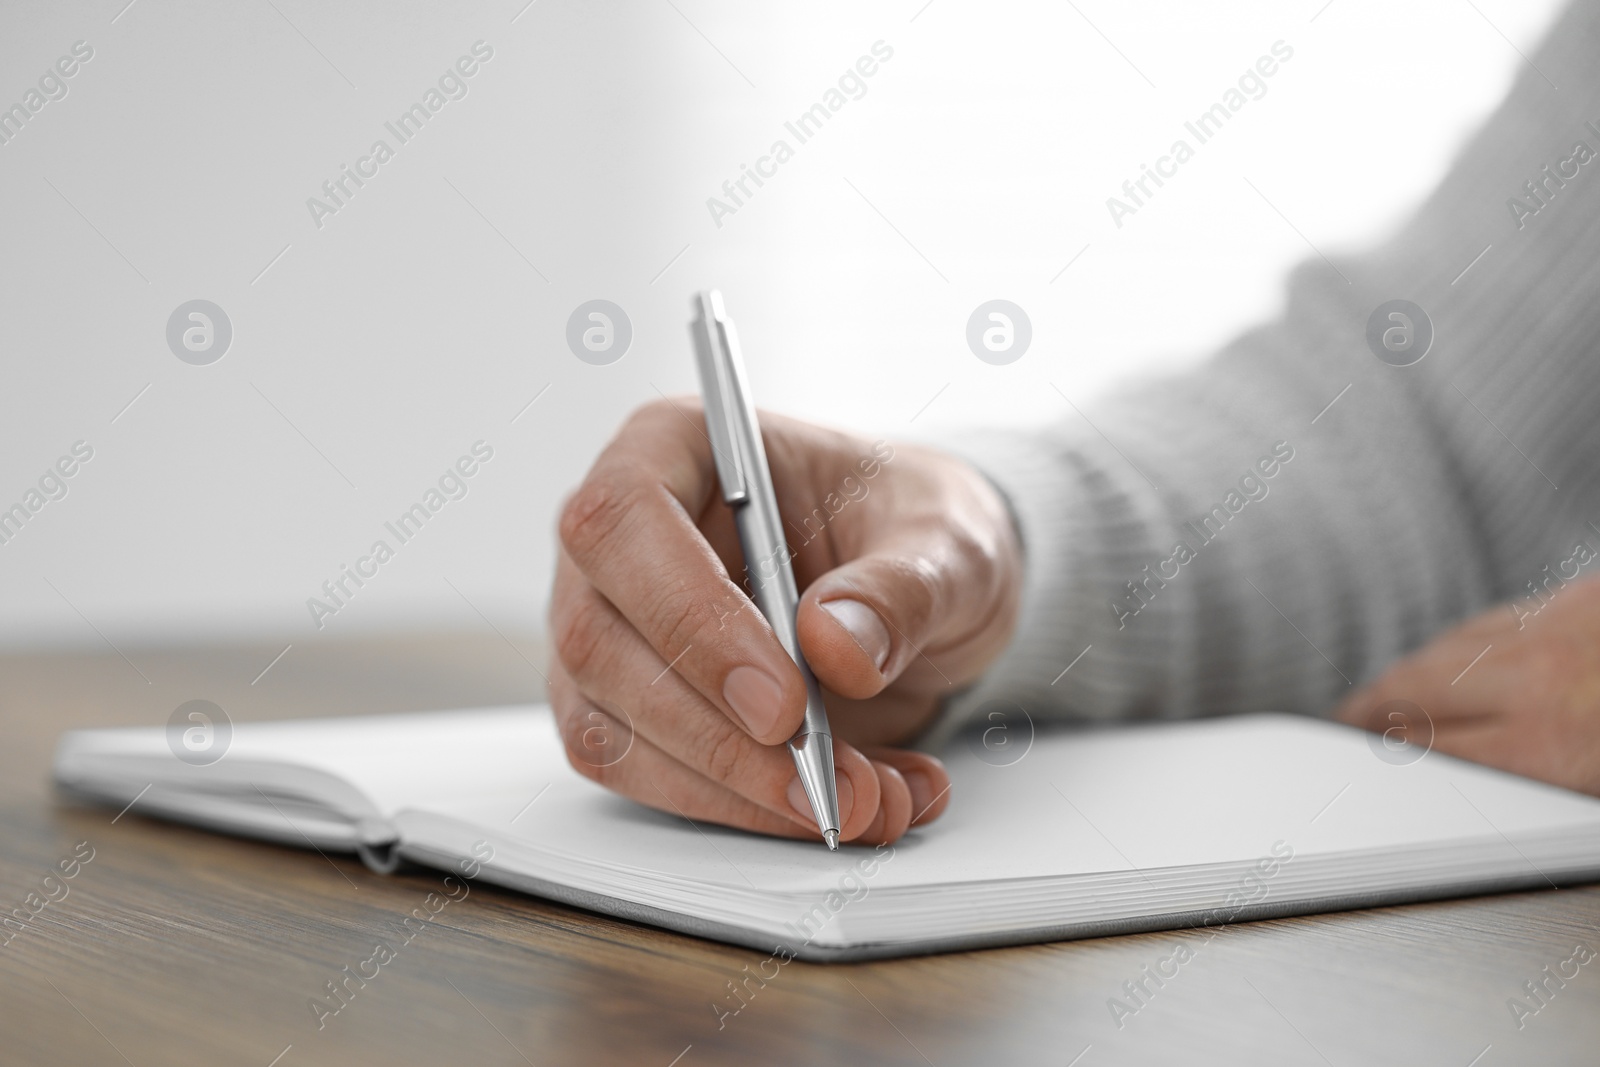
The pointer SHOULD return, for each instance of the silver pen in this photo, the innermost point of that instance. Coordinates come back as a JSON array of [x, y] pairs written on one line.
[[746, 482]]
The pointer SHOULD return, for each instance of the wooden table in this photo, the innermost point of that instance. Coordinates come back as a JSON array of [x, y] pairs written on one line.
[[174, 947]]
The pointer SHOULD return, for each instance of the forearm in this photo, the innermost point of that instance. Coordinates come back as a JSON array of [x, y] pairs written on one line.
[[1422, 493]]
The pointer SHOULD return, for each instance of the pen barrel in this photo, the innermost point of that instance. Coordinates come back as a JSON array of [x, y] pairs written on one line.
[[769, 579], [734, 434]]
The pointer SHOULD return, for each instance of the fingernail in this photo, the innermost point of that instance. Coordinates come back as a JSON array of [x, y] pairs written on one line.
[[922, 794], [799, 802], [864, 626], [755, 696]]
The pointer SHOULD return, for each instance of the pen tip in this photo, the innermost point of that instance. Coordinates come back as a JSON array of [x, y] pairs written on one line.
[[832, 837]]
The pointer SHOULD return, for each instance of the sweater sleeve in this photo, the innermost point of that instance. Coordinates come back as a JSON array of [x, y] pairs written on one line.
[[1277, 526]]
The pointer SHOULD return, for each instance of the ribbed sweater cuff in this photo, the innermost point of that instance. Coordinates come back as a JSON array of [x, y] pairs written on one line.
[[1085, 517]]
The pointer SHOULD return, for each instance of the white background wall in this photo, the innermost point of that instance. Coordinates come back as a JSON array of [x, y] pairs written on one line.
[[407, 327]]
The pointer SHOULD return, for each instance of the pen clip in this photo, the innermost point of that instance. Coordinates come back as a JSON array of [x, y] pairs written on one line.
[[714, 354]]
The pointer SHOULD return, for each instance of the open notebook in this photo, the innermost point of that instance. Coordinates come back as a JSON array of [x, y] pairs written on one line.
[[1088, 833]]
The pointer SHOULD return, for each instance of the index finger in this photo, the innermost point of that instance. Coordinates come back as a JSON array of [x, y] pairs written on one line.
[[631, 529]]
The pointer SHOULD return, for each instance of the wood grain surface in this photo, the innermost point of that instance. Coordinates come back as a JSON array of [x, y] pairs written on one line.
[[175, 947]]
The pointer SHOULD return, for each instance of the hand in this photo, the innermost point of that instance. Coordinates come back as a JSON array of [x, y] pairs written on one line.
[[910, 572], [1531, 705]]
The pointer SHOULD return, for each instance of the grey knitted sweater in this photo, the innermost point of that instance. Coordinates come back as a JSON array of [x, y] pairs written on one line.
[[1226, 541]]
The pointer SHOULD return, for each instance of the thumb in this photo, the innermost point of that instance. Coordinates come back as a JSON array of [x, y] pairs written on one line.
[[863, 624]]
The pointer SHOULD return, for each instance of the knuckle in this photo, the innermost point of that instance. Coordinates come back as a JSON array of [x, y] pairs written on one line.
[[593, 515], [571, 726], [676, 620], [724, 754], [593, 772], [1398, 689], [918, 588], [659, 420], [582, 636], [651, 412], [982, 559]]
